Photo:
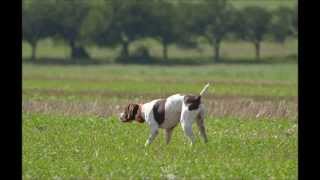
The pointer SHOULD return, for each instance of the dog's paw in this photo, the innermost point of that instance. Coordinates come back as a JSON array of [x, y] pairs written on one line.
[[191, 144], [146, 144]]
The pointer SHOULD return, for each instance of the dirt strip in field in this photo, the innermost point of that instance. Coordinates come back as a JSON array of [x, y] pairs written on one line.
[[241, 107]]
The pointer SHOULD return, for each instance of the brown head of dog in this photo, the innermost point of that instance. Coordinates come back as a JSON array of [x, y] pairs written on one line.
[[131, 112]]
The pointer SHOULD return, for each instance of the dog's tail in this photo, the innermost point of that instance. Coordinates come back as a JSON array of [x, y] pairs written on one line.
[[204, 89]]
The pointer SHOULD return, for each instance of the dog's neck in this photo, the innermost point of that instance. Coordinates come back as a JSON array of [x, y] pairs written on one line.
[[139, 116]]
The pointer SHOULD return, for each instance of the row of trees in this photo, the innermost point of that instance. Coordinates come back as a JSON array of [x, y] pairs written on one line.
[[120, 22]]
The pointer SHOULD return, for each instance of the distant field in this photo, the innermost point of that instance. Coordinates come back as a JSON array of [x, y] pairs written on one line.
[[250, 80], [229, 49], [70, 126], [270, 4]]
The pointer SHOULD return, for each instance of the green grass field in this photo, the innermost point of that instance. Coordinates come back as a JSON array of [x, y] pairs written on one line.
[[71, 130], [251, 80], [99, 148]]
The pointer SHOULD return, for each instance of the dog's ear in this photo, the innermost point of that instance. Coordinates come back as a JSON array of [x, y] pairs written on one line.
[[129, 107], [138, 118], [132, 111]]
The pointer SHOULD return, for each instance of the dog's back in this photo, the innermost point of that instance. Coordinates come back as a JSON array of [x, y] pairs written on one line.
[[173, 107]]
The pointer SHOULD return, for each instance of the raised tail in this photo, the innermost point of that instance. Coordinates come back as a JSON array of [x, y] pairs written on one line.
[[204, 89]]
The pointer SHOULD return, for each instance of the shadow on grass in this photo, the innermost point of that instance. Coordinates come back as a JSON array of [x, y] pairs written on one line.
[[160, 61]]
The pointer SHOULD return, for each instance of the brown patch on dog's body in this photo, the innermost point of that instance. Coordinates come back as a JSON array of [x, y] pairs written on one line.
[[192, 102], [159, 111]]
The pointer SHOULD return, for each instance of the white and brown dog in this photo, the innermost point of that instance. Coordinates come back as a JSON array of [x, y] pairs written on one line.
[[167, 113]]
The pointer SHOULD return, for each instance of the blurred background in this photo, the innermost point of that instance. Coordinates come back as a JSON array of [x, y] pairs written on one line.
[[119, 51], [159, 31]]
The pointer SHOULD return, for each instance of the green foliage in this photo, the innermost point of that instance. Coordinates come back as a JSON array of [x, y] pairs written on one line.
[[37, 22], [68, 17], [121, 22], [254, 23], [97, 19], [130, 20], [216, 20], [165, 25], [184, 29], [282, 25], [219, 19], [295, 20]]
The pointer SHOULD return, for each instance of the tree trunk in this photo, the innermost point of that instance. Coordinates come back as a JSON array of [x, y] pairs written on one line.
[[33, 51], [125, 49], [257, 48], [283, 44], [216, 51], [73, 49], [165, 51]]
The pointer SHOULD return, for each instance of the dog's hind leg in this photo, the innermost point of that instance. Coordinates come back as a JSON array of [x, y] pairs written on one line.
[[200, 123], [187, 118]]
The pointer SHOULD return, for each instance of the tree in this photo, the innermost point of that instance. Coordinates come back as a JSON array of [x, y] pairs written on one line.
[[130, 20], [166, 25], [98, 19], [69, 18], [281, 26], [36, 22], [215, 20], [254, 25], [186, 30], [295, 20]]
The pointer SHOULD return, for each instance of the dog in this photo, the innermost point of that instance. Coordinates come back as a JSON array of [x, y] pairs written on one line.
[[167, 113]]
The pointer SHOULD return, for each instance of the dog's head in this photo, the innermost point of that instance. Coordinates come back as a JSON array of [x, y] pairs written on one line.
[[129, 113]]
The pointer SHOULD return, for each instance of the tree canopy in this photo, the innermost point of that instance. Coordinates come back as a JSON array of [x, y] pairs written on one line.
[[281, 26], [121, 22], [254, 23]]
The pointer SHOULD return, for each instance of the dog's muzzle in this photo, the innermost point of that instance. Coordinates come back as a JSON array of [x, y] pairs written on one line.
[[121, 117]]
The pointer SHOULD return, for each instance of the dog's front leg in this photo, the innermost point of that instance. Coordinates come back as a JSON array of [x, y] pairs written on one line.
[[168, 134], [153, 133]]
